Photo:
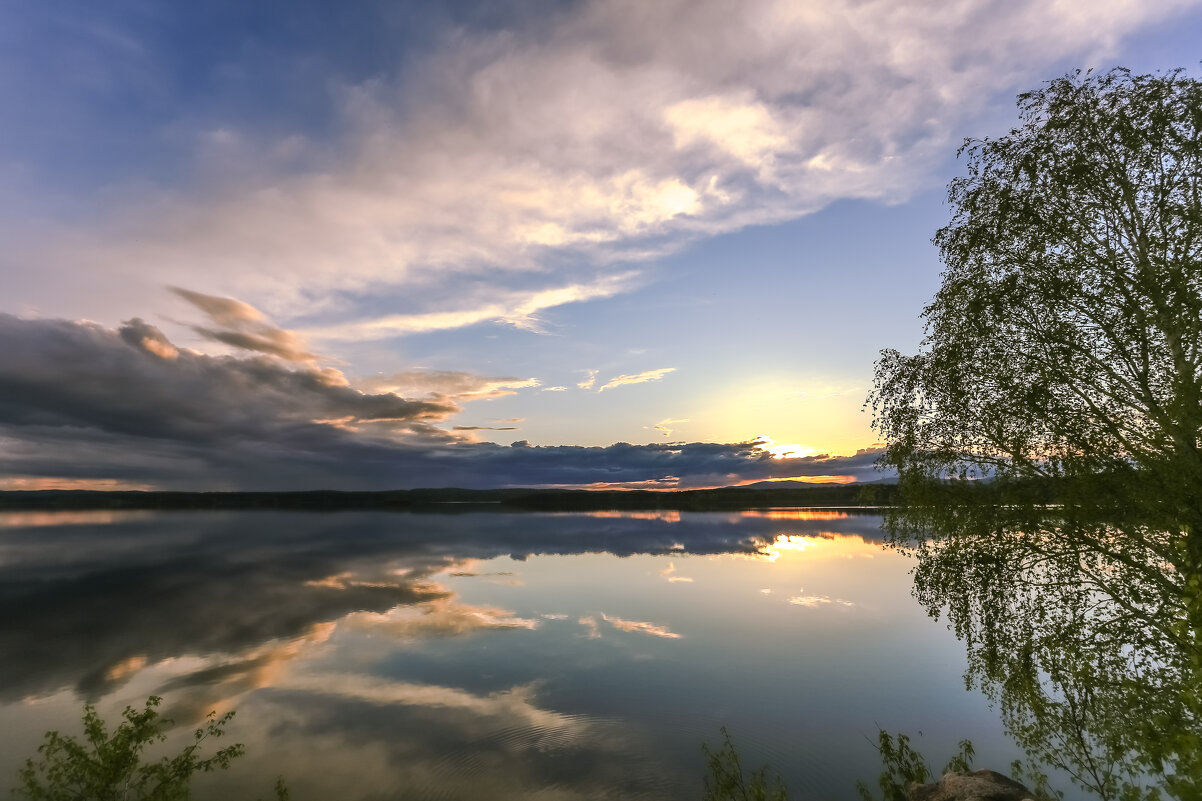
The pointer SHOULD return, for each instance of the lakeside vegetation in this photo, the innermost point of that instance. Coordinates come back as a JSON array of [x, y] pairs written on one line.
[[111, 764], [114, 765], [1061, 366]]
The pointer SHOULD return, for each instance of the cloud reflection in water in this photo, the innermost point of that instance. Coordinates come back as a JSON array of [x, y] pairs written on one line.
[[388, 634]]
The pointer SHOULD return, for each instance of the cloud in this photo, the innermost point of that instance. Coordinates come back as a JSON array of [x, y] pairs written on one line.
[[449, 385], [79, 401], [56, 373], [485, 428], [663, 425], [736, 125], [92, 484], [669, 573], [637, 378], [522, 149], [519, 309], [589, 380], [243, 326], [74, 392]]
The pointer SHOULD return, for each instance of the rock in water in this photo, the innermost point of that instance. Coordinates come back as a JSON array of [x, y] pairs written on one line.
[[980, 785]]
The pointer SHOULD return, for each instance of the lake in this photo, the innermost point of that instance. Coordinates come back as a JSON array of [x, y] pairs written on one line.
[[486, 655]]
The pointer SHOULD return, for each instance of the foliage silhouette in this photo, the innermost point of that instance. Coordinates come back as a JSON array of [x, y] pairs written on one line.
[[1069, 628], [113, 767], [1063, 364], [725, 779], [1066, 338], [904, 766]]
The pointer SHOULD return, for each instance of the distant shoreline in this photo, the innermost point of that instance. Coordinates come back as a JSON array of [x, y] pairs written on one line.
[[452, 499]]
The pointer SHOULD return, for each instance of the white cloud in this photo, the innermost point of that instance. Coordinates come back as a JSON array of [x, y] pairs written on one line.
[[627, 129], [669, 573], [664, 426], [737, 126], [448, 385], [519, 309], [637, 378]]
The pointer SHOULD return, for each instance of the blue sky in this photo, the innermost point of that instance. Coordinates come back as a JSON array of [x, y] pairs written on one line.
[[478, 215]]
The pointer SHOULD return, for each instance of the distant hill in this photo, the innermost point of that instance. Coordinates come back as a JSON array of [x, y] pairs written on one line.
[[763, 495], [792, 484]]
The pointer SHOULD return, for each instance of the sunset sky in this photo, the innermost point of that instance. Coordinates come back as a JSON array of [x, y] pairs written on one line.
[[645, 243]]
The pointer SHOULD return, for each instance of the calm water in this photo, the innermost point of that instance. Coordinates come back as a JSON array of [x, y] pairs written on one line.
[[486, 655]]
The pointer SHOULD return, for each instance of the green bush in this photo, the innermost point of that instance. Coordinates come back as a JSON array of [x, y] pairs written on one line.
[[725, 781], [903, 766], [111, 767]]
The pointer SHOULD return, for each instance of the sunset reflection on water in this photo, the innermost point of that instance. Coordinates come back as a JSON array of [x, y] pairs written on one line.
[[86, 517], [585, 654], [796, 514]]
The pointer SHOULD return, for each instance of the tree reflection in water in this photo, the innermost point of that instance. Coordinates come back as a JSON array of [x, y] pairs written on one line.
[[1084, 632]]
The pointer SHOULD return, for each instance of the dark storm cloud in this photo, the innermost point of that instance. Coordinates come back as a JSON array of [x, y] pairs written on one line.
[[153, 589], [81, 401], [133, 381], [684, 464]]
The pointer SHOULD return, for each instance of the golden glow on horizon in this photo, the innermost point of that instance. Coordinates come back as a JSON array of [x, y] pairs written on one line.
[[805, 416], [786, 450], [668, 484], [795, 514], [822, 479], [52, 483]]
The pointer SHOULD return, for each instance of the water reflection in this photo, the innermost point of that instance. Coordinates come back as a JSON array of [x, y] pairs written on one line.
[[202, 584], [1082, 632], [797, 514], [405, 655], [69, 518]]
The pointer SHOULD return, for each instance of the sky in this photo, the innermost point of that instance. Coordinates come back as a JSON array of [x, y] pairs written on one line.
[[591, 243]]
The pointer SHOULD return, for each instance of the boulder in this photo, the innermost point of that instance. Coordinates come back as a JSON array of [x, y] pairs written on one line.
[[980, 785]]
